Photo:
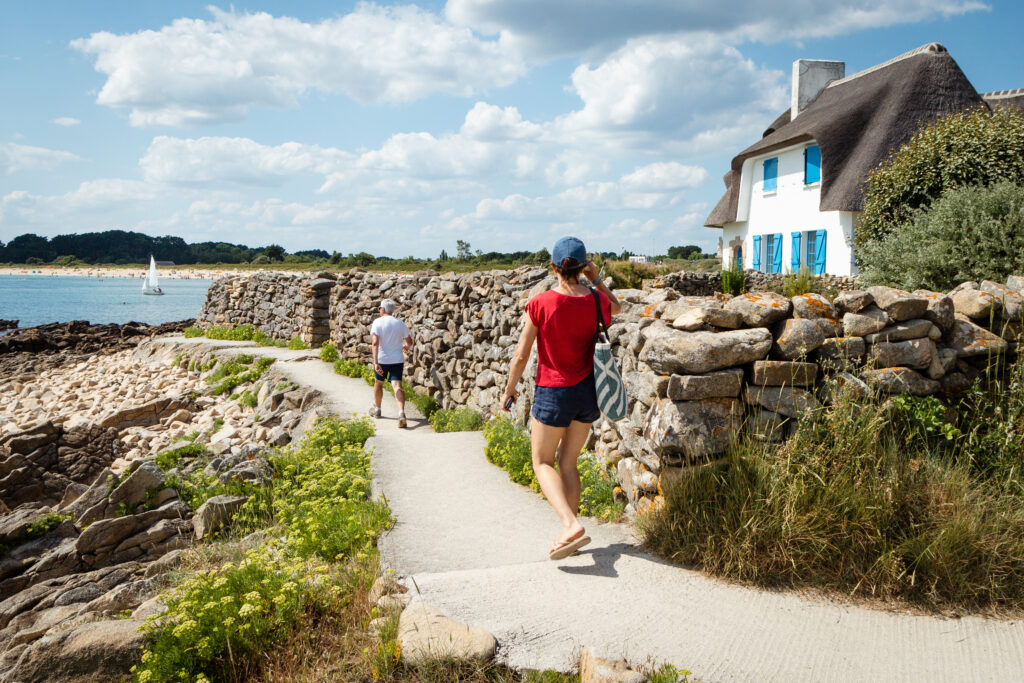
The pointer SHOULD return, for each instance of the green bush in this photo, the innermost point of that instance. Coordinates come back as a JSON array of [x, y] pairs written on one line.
[[426, 404], [247, 399], [734, 280], [296, 344], [969, 148], [970, 233], [508, 447], [170, 459], [193, 331], [351, 368], [329, 353], [458, 420], [800, 282], [854, 502]]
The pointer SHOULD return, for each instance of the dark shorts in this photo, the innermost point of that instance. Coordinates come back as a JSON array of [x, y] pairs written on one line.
[[392, 372], [558, 406]]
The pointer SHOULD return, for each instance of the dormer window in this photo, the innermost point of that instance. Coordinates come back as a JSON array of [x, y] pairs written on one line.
[[812, 165], [771, 175]]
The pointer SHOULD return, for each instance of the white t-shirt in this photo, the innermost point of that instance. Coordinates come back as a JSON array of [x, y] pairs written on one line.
[[391, 331]]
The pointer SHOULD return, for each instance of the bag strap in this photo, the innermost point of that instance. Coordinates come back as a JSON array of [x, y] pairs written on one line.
[[600, 318]]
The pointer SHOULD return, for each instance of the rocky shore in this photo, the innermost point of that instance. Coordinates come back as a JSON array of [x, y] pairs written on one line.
[[112, 463]]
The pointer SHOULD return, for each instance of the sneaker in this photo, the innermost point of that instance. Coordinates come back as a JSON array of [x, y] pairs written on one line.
[[401, 420], [374, 411]]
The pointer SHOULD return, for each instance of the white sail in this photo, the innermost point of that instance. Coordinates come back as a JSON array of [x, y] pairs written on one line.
[[151, 285]]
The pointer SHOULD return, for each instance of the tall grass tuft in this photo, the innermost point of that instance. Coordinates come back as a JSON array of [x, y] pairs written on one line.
[[853, 503], [734, 280]]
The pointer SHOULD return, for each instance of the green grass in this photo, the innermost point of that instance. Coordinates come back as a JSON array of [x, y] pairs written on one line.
[[458, 420], [235, 373], [169, 459], [350, 368], [242, 333], [888, 500], [329, 353], [508, 447]]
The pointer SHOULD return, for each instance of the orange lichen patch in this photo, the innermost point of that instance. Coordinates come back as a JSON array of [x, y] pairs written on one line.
[[648, 311]]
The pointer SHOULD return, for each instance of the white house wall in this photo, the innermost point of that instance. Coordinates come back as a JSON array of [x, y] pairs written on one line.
[[793, 207]]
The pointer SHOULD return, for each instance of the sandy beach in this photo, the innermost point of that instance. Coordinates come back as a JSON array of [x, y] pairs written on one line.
[[178, 273]]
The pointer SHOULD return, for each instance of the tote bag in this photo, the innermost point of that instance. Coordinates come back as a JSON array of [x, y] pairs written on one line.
[[611, 392]]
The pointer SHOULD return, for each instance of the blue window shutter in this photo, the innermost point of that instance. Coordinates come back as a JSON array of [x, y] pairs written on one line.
[[755, 259], [812, 164], [777, 253], [771, 172], [739, 258], [819, 252], [795, 259]]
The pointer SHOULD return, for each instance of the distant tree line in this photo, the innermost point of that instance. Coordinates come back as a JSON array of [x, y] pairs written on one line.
[[125, 247]]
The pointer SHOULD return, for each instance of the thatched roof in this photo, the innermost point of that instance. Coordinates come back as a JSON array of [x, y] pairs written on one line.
[[858, 120], [1005, 98]]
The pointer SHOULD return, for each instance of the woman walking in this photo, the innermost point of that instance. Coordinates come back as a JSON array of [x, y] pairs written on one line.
[[563, 322]]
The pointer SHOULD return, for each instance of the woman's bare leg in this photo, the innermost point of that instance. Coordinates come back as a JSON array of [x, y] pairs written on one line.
[[568, 453], [544, 441]]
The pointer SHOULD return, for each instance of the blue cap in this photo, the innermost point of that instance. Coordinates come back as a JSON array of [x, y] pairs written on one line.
[[569, 247]]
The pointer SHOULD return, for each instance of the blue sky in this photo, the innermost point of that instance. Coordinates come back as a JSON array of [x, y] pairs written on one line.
[[398, 129]]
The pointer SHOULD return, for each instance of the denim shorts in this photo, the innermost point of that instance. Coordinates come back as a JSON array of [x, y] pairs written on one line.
[[558, 406], [392, 372]]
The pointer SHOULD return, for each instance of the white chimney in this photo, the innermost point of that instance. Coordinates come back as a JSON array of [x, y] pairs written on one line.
[[810, 76]]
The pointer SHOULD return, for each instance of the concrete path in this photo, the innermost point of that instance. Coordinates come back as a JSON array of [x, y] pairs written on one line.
[[474, 545]]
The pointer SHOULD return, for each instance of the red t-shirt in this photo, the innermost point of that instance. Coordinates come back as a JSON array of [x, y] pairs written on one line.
[[565, 335]]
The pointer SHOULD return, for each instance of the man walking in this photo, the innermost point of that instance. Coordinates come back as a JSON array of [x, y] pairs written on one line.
[[391, 339]]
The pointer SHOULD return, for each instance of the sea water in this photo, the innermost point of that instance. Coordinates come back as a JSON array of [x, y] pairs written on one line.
[[40, 299]]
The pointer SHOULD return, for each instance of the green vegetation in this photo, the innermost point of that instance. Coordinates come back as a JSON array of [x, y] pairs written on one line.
[[177, 360], [329, 353], [734, 280], [240, 333], [296, 344], [508, 447], [34, 530], [969, 233], [893, 499], [351, 368], [219, 624], [458, 420], [166, 460], [234, 373], [247, 399], [969, 148]]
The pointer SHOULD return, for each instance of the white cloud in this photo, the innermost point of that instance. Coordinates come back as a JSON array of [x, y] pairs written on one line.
[[15, 157], [195, 71], [669, 93], [239, 161], [66, 121], [544, 28]]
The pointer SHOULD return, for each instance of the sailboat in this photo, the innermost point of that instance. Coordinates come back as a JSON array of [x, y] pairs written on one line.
[[150, 284]]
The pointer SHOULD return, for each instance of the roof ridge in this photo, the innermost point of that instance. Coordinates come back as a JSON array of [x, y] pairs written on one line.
[[996, 94], [930, 47]]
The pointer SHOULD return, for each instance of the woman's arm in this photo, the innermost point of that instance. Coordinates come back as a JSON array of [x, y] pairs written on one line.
[[590, 272], [519, 360]]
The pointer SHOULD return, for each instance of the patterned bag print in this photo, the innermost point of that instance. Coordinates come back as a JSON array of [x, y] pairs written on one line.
[[611, 391]]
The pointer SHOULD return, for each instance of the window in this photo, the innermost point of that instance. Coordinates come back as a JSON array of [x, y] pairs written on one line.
[[812, 165], [809, 260], [771, 174], [773, 253], [816, 251]]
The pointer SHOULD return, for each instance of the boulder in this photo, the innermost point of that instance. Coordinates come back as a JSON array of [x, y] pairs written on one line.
[[15, 525], [696, 429], [30, 439], [95, 652], [974, 303], [839, 350], [425, 634], [597, 670], [700, 352], [868, 320], [968, 339], [908, 329], [784, 373], [1010, 300], [719, 384], [844, 383], [760, 309], [646, 387], [852, 301], [913, 353], [940, 309], [692, 318], [788, 401], [813, 306], [901, 381], [384, 585], [797, 337], [215, 513], [256, 471], [897, 304], [132, 490], [635, 479], [1015, 282]]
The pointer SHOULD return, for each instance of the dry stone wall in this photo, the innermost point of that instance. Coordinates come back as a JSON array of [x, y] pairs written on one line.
[[699, 369], [708, 284]]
